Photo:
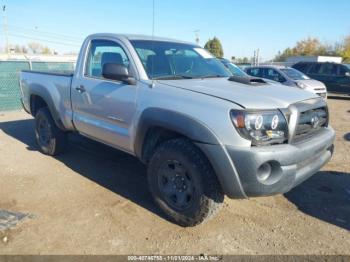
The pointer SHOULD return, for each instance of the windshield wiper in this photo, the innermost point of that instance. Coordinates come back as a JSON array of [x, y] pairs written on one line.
[[211, 76], [172, 77]]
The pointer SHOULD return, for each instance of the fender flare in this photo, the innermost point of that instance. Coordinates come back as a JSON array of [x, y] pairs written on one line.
[[173, 121], [42, 92], [201, 135]]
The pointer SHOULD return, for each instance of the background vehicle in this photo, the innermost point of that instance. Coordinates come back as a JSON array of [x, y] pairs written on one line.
[[202, 133], [289, 77], [335, 76], [235, 70]]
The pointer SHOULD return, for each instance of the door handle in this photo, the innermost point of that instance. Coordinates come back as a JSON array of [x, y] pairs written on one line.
[[81, 89]]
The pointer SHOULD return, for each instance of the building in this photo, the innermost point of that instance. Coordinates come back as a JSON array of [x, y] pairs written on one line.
[[296, 59]]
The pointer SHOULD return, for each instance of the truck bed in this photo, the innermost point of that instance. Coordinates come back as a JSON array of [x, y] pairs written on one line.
[[54, 87]]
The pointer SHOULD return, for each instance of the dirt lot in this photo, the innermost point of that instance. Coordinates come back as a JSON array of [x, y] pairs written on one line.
[[94, 200]]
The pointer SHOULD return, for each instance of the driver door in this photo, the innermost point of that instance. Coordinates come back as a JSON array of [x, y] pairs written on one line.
[[104, 109]]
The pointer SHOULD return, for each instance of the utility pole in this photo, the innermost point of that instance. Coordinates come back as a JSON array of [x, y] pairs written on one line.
[[5, 28], [256, 58]]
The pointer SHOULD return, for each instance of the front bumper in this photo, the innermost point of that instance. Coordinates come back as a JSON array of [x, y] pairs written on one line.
[[290, 164], [239, 169]]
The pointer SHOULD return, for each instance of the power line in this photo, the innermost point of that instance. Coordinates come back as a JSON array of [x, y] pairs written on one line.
[[51, 34], [44, 40], [46, 37]]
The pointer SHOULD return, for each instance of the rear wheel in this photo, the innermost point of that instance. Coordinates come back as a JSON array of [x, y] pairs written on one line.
[[183, 183], [50, 139]]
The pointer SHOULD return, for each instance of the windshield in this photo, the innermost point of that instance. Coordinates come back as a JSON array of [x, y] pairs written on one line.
[[169, 60], [235, 70], [294, 74]]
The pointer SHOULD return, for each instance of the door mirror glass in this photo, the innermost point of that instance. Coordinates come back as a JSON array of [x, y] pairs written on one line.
[[117, 72], [282, 79]]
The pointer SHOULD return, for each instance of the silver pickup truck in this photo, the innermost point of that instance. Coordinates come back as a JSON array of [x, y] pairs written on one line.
[[202, 132]]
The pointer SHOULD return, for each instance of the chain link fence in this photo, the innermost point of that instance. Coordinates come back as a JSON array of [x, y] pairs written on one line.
[[9, 79]]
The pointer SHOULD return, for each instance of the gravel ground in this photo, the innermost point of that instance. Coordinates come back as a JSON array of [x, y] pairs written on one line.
[[94, 200]]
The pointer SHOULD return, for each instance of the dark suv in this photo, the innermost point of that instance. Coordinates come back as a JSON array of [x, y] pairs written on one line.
[[335, 76]]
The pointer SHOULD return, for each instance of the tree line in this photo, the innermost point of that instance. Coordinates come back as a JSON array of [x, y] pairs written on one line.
[[32, 48], [310, 46]]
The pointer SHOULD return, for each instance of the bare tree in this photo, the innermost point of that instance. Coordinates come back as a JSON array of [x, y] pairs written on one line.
[[35, 47]]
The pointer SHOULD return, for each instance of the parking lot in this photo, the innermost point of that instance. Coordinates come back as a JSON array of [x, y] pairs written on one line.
[[94, 200]]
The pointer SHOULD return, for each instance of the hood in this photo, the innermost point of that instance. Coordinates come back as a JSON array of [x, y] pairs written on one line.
[[249, 96]]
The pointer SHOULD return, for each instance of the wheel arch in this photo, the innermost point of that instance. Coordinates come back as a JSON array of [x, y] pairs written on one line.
[[160, 124], [154, 121], [41, 98]]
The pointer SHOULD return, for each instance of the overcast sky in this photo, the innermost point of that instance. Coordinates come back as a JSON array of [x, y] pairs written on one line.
[[242, 26]]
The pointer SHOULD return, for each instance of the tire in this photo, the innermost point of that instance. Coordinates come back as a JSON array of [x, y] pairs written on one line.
[[50, 139], [183, 183]]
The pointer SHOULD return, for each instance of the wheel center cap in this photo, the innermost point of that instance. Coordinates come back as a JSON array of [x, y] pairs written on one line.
[[179, 182]]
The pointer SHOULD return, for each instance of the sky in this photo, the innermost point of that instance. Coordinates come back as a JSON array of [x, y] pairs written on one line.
[[242, 26]]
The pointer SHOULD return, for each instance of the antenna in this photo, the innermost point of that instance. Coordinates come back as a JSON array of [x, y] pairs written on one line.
[[197, 35], [5, 28], [153, 18], [153, 26]]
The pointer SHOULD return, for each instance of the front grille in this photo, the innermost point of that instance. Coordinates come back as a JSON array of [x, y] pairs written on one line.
[[311, 122]]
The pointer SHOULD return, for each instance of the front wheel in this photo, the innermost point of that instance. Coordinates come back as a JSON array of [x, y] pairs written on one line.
[[183, 183], [50, 139]]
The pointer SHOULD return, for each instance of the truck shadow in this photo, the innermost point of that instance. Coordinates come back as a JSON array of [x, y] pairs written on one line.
[[338, 97], [325, 196], [108, 167]]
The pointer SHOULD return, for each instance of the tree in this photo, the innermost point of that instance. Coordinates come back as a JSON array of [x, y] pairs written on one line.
[[214, 46], [20, 49], [35, 47], [281, 57], [46, 51], [307, 47], [242, 60], [38, 48], [345, 49]]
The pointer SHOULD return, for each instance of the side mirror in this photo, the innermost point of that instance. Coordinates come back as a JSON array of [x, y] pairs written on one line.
[[281, 79], [117, 72]]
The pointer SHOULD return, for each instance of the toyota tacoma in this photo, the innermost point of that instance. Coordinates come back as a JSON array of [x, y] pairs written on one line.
[[202, 132]]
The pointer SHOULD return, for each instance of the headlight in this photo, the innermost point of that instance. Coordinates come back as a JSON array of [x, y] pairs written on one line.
[[301, 85], [261, 127]]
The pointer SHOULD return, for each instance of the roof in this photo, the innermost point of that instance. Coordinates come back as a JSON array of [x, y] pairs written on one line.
[[131, 37], [270, 66]]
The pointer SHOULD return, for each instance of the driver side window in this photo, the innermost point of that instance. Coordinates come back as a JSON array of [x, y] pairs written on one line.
[[274, 75], [102, 52], [343, 70]]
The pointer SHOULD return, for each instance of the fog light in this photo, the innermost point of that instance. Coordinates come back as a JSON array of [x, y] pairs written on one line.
[[264, 171]]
